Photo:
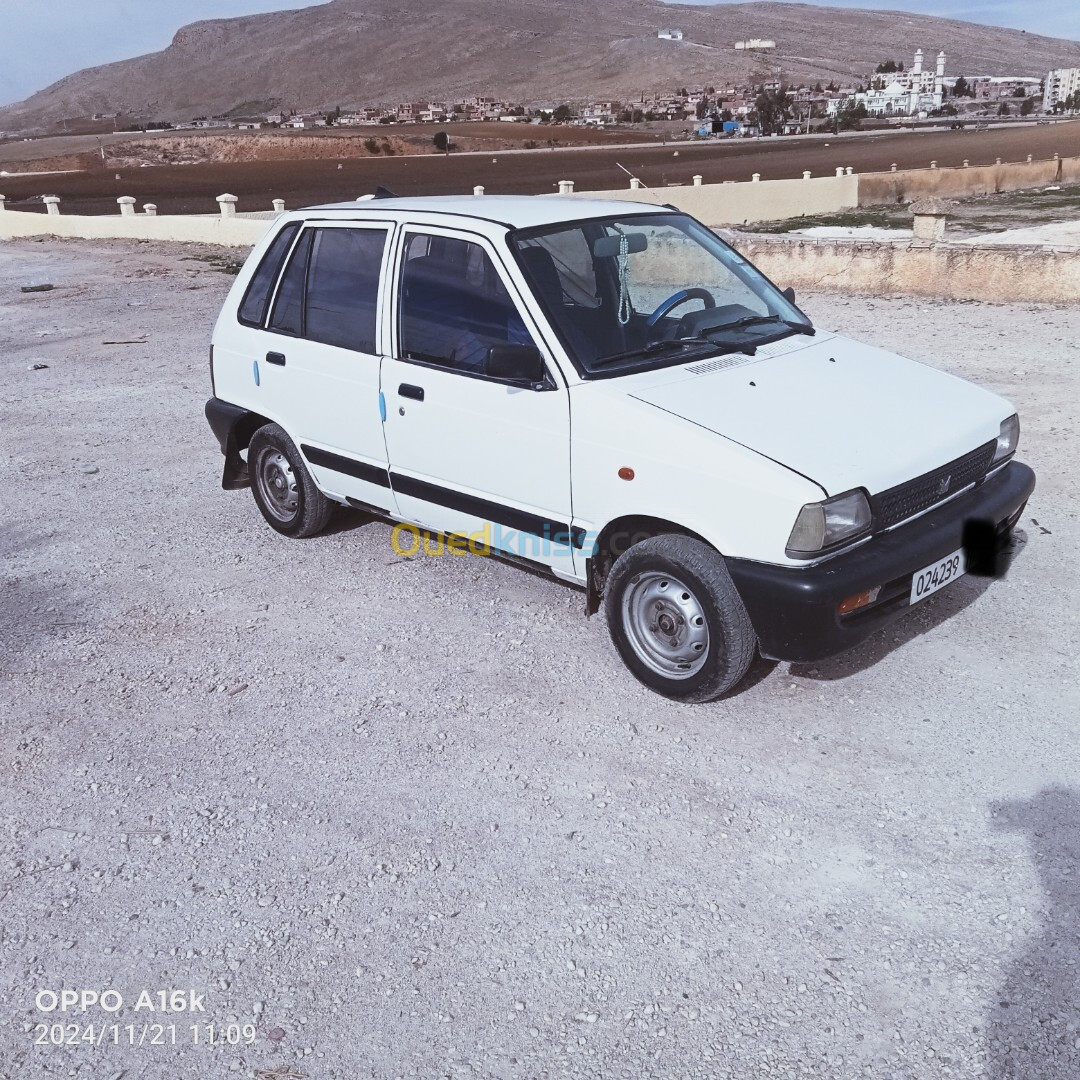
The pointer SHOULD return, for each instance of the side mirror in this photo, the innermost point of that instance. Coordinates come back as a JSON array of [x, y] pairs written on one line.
[[515, 363], [788, 294]]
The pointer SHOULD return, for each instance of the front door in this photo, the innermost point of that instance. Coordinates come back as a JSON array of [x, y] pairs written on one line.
[[469, 454]]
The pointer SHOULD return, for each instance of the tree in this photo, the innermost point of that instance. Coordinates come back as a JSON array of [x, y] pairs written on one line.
[[441, 141], [702, 108], [773, 108], [1003, 109], [1020, 92], [886, 68], [849, 114], [561, 114], [961, 88], [1028, 107]]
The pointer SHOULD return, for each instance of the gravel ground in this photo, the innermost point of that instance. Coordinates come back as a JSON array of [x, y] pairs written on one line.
[[412, 818]]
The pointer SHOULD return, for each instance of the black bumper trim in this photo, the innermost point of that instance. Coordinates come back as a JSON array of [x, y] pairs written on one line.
[[361, 470], [793, 609], [225, 419]]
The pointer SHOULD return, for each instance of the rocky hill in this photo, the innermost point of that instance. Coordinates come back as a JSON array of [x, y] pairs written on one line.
[[351, 52]]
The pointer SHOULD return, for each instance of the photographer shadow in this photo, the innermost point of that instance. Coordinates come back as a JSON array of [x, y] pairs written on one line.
[[1033, 1030]]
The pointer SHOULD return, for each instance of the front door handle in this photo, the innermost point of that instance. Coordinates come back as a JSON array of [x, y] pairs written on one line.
[[276, 358], [410, 391]]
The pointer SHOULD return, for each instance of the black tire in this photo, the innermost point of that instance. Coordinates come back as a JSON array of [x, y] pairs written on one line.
[[283, 488], [677, 619]]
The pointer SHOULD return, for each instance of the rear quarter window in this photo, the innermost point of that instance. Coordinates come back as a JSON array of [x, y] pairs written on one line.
[[253, 307]]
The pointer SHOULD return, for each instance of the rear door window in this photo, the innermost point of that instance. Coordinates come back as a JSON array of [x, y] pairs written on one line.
[[343, 287], [257, 298], [288, 314]]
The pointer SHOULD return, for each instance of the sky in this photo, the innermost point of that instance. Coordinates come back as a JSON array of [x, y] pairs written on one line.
[[43, 40]]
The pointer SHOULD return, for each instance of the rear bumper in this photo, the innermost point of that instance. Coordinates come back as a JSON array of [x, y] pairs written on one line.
[[793, 609]]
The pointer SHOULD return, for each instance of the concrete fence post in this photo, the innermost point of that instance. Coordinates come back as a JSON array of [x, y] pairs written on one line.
[[997, 161], [966, 163], [892, 167], [933, 164], [849, 170], [127, 205], [929, 219], [566, 187], [2, 206], [228, 205], [806, 174], [279, 206], [150, 209], [839, 170], [478, 190], [698, 178], [1030, 158], [52, 204], [635, 184], [755, 177]]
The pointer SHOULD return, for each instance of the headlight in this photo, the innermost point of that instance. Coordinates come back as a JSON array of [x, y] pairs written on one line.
[[1008, 437], [825, 524]]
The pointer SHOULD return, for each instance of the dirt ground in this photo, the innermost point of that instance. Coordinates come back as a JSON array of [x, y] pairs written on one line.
[[193, 188], [1000, 217], [411, 818]]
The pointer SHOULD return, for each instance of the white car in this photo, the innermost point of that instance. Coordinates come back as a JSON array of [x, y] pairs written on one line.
[[608, 391]]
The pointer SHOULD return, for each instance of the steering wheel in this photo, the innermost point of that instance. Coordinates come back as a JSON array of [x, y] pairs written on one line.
[[681, 297]]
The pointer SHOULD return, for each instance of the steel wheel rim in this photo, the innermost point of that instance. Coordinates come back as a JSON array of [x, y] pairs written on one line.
[[277, 484], [666, 625]]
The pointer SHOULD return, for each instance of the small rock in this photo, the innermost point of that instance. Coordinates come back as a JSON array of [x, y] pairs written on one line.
[[89, 470], [276, 1034], [37, 367], [38, 288]]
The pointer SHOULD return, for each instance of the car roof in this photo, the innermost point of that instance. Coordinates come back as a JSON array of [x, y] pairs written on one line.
[[515, 211]]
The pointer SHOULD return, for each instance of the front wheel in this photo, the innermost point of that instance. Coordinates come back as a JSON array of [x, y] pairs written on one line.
[[677, 619], [283, 488]]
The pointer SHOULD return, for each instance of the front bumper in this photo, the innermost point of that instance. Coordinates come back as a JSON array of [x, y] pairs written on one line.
[[794, 609]]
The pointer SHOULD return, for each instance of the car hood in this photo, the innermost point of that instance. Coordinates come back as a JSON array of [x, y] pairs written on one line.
[[839, 412]]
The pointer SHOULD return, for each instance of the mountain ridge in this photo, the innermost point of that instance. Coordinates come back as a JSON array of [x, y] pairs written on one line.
[[355, 52]]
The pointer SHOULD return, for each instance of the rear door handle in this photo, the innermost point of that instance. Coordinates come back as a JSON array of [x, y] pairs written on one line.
[[276, 358], [410, 391]]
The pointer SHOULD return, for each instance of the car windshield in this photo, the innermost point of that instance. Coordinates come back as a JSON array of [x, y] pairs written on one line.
[[632, 293]]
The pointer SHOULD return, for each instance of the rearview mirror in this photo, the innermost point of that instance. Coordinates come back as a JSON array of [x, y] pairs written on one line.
[[515, 363], [608, 246], [788, 294]]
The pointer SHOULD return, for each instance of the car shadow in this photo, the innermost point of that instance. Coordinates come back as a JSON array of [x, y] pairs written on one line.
[[915, 622], [1032, 1028]]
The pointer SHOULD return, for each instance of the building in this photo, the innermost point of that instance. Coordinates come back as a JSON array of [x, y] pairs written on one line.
[[998, 88], [904, 93], [669, 34], [1061, 84]]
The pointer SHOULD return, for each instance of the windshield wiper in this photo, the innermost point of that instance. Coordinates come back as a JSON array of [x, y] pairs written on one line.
[[653, 348], [750, 320]]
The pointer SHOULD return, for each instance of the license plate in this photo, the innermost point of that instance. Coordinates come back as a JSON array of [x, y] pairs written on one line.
[[937, 576]]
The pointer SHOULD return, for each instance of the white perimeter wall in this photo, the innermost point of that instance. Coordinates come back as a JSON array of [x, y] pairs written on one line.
[[741, 203], [211, 229]]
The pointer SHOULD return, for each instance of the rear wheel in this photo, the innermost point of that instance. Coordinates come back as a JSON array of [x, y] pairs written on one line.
[[677, 620], [283, 488]]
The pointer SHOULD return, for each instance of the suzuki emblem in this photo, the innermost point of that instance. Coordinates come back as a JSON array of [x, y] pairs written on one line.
[[943, 484]]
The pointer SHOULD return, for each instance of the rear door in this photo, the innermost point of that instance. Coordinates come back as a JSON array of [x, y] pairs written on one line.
[[469, 454], [319, 364]]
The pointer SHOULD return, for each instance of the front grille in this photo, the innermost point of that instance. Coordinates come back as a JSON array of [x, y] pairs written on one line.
[[914, 496]]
